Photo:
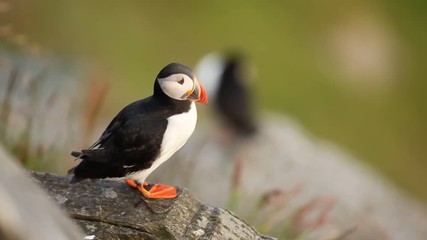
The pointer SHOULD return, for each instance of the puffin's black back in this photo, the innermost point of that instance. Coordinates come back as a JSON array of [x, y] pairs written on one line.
[[233, 98]]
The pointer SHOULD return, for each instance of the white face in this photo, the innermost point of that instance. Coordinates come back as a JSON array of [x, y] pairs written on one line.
[[177, 86]]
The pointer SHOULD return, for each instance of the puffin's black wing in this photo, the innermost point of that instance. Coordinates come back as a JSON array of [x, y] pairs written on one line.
[[131, 142]]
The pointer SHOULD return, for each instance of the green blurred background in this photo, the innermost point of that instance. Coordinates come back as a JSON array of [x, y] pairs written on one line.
[[351, 72]]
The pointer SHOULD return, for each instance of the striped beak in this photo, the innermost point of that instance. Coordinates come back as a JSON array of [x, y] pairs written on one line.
[[198, 94]]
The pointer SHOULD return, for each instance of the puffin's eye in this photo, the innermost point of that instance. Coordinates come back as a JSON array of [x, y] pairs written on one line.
[[181, 81]]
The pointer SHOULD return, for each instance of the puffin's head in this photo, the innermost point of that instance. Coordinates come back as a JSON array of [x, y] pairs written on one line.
[[178, 82]]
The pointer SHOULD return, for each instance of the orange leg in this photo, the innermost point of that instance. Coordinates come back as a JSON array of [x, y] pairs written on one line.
[[157, 191]]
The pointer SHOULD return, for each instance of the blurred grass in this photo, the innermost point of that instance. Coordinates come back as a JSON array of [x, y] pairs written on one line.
[[382, 121]]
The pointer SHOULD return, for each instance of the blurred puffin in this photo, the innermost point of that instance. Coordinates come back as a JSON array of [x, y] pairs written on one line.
[[146, 133], [225, 83]]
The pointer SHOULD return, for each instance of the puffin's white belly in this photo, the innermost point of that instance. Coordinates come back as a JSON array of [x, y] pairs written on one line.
[[179, 129]]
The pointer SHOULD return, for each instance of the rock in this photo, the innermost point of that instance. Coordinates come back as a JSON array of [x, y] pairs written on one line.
[[26, 212], [111, 210]]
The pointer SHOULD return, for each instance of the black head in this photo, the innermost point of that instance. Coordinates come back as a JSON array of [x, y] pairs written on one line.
[[178, 82], [175, 68]]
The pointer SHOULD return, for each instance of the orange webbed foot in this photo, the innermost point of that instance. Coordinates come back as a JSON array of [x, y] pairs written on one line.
[[156, 191], [131, 183]]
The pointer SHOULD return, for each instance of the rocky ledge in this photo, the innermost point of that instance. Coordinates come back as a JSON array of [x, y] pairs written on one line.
[[111, 210]]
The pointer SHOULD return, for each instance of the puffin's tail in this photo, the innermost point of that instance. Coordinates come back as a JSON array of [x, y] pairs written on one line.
[[74, 179], [76, 154]]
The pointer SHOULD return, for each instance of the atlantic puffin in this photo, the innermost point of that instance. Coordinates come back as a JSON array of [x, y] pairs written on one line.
[[146, 133], [226, 84]]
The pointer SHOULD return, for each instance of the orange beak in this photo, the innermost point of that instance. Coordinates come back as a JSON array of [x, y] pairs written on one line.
[[198, 94], [203, 98]]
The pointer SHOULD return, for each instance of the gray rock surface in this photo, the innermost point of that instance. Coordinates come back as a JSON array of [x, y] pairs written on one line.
[[111, 210], [25, 210]]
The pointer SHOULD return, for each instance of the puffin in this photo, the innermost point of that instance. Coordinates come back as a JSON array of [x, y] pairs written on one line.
[[225, 77], [146, 133]]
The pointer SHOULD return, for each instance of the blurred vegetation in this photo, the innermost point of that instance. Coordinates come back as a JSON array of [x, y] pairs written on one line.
[[353, 73], [274, 214]]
